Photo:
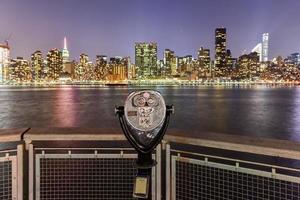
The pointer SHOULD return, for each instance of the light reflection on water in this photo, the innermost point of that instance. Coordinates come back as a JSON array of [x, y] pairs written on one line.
[[260, 111]]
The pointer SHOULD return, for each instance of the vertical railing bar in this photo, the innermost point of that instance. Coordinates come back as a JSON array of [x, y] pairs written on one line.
[[14, 177], [31, 171], [37, 175], [20, 161], [158, 172], [168, 172], [153, 180], [173, 178]]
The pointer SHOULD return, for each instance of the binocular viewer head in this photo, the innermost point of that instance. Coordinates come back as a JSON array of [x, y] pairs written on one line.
[[144, 119]]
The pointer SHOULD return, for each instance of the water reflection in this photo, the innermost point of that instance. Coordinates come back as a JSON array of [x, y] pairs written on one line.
[[259, 111], [65, 110], [296, 116]]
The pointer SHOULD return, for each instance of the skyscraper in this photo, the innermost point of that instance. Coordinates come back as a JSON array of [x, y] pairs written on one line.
[[54, 64], [169, 62], [146, 59], [265, 47], [220, 51], [82, 68], [4, 62], [100, 68], [204, 57], [20, 70], [37, 65], [65, 52]]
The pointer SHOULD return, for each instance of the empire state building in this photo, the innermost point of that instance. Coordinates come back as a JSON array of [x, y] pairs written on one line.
[[65, 52]]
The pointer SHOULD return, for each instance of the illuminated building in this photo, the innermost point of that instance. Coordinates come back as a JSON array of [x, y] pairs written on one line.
[[258, 50], [69, 68], [65, 52], [174, 66], [204, 67], [37, 64], [83, 70], [118, 68], [230, 62], [204, 57], [294, 59], [170, 61], [19, 70], [265, 47], [4, 62], [185, 65], [220, 51], [146, 59], [100, 68], [248, 66], [54, 64]]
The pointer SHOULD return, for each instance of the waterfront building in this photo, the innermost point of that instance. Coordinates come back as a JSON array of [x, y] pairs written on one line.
[[294, 59], [69, 68], [83, 68], [258, 50], [230, 64], [248, 67], [169, 63], [204, 63], [174, 66], [54, 64], [101, 67], [265, 47], [20, 70], [204, 58], [146, 59], [37, 66], [4, 62], [118, 68], [220, 52]]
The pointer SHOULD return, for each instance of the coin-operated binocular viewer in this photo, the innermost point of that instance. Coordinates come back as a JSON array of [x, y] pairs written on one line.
[[144, 120]]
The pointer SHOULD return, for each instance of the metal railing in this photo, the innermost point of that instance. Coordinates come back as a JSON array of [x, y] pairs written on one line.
[[196, 175], [99, 164]]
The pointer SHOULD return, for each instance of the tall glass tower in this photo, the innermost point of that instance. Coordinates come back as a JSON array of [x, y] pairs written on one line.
[[265, 47], [220, 51], [4, 61], [146, 58]]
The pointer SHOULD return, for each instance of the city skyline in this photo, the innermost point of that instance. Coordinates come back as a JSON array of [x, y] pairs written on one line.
[[113, 31]]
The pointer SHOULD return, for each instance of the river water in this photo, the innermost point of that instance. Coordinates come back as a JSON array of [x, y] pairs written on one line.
[[272, 112]]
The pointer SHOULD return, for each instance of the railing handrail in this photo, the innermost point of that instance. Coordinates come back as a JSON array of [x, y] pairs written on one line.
[[255, 145], [260, 146]]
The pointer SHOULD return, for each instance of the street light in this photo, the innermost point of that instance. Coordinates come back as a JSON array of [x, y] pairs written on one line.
[[144, 120]]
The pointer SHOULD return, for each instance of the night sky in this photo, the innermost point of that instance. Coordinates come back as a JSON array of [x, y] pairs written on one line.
[[111, 27]]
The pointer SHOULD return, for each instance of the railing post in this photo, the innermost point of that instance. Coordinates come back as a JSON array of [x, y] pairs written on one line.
[[31, 172], [158, 172], [168, 171], [20, 172]]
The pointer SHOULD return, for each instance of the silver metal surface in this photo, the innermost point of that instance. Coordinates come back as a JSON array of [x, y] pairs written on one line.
[[145, 110]]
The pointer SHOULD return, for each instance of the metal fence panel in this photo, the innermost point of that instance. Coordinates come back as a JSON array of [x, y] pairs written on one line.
[[8, 177], [84, 176], [195, 179]]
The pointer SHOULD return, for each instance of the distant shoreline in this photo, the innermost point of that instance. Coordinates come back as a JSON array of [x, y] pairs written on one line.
[[148, 84]]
